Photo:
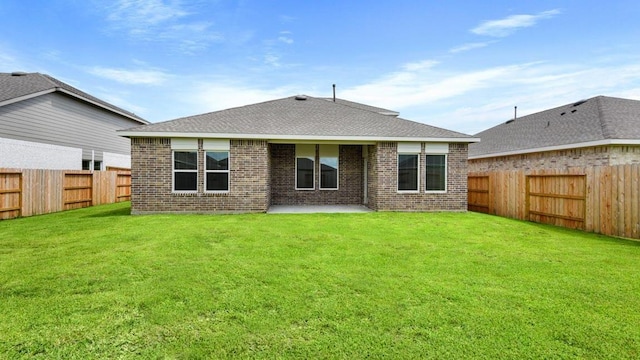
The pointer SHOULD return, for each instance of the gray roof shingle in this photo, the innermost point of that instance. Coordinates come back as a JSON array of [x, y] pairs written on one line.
[[596, 119], [289, 117], [17, 85]]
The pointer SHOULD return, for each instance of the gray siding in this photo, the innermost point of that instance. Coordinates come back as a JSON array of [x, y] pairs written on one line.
[[61, 120]]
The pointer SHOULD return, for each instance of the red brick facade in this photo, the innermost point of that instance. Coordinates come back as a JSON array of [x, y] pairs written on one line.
[[383, 194], [350, 185], [263, 174], [151, 179]]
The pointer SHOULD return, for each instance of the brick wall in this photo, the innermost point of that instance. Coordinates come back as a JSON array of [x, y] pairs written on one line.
[[560, 159], [350, 187], [151, 176], [384, 161]]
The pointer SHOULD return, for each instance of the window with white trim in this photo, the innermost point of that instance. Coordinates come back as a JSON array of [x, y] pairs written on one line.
[[305, 166], [329, 160], [185, 165], [436, 167], [217, 171], [408, 167], [216, 165], [185, 171]]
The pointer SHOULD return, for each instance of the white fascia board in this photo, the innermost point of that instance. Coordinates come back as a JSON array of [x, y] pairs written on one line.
[[25, 97], [288, 138], [102, 106], [561, 147]]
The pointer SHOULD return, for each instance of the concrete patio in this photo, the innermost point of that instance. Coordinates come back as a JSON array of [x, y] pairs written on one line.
[[309, 209]]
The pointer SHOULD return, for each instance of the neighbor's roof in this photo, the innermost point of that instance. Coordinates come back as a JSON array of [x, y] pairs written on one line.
[[597, 121], [299, 118], [18, 86]]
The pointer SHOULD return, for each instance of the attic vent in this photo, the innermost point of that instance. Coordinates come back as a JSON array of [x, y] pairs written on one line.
[[18, 73], [510, 121], [301, 97], [580, 102]]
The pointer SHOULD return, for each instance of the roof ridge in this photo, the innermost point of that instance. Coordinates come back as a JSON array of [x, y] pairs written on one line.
[[48, 79], [601, 116]]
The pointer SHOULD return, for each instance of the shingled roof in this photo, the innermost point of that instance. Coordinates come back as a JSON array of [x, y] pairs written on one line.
[[300, 118], [18, 86], [597, 121]]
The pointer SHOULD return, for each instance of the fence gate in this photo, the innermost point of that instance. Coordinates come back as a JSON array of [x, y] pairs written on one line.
[[123, 187], [557, 200], [10, 195], [478, 194]]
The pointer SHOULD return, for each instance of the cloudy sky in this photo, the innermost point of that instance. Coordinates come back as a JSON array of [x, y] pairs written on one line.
[[461, 65]]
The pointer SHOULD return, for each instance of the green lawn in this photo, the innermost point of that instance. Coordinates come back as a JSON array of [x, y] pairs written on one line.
[[98, 283]]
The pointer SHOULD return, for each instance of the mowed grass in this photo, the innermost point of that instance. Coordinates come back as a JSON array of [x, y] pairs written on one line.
[[99, 283]]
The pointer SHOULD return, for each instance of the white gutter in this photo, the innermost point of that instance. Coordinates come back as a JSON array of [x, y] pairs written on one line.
[[279, 138], [560, 147]]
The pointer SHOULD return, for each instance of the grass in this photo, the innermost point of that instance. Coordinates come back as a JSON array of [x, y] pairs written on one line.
[[98, 283]]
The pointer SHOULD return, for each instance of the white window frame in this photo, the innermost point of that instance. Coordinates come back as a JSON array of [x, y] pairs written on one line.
[[446, 174], [437, 149], [207, 172], [408, 149], [305, 151], [174, 171], [216, 145], [333, 152]]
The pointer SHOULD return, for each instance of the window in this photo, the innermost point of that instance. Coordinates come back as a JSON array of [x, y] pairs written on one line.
[[217, 171], [436, 174], [329, 159], [97, 165], [407, 172], [185, 171], [86, 164], [305, 166], [436, 167]]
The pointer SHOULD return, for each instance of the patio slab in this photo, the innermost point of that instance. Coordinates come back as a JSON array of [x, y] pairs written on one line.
[[309, 209]]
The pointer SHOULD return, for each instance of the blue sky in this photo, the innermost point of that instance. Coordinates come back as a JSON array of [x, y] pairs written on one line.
[[461, 65]]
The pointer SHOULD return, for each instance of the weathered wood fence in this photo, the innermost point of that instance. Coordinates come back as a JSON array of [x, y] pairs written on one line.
[[27, 192], [602, 199]]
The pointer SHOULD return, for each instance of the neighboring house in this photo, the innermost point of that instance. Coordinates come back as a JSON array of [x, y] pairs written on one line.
[[598, 131], [48, 124], [298, 150]]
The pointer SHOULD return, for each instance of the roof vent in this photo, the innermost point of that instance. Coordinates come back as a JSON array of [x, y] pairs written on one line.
[[301, 97], [562, 113], [510, 121], [580, 102], [574, 110], [18, 73]]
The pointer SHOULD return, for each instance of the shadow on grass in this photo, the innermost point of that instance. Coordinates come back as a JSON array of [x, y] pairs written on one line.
[[110, 213]]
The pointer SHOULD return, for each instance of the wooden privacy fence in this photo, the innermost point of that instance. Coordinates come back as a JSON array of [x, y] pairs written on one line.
[[602, 199], [27, 192]]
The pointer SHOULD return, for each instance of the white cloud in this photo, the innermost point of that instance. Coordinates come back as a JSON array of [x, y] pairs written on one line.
[[470, 46], [223, 94], [472, 101], [155, 20], [134, 77], [285, 39], [508, 25]]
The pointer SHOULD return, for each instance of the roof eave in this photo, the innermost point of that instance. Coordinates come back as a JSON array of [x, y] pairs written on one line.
[[560, 147], [26, 97], [138, 120], [280, 138]]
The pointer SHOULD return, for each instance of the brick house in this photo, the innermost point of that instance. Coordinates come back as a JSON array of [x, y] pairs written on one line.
[[298, 150], [600, 131]]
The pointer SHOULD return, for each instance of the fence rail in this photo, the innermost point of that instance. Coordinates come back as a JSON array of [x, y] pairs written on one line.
[[27, 192], [602, 199]]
